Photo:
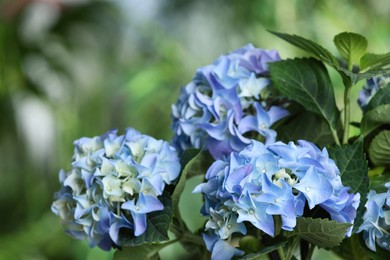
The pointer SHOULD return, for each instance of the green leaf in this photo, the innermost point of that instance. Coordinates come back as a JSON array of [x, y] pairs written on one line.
[[188, 158], [379, 150], [351, 46], [146, 251], [249, 244], [194, 162], [188, 155], [158, 223], [353, 166], [323, 233], [309, 46], [377, 182], [308, 126], [382, 97], [374, 118], [276, 243], [374, 61], [349, 78], [307, 82], [351, 248], [320, 53]]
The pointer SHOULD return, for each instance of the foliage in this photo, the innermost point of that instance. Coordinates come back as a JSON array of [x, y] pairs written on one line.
[[271, 194], [70, 79], [306, 81], [323, 233]]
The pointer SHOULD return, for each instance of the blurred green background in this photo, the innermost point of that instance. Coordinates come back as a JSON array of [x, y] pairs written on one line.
[[72, 68]]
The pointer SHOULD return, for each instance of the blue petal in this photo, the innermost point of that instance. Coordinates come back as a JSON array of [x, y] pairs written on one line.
[[255, 212], [237, 176], [315, 187], [219, 149], [231, 226], [210, 240], [148, 204], [216, 131], [139, 223], [223, 250], [276, 113], [116, 224], [145, 204], [105, 243], [281, 199]]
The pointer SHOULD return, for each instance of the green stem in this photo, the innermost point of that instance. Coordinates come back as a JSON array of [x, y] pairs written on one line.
[[281, 253], [177, 215], [161, 246], [310, 252], [183, 234], [291, 248], [169, 243], [335, 136], [192, 238], [347, 107], [347, 113]]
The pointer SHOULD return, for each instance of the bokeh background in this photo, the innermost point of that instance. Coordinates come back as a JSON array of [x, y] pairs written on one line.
[[73, 68]]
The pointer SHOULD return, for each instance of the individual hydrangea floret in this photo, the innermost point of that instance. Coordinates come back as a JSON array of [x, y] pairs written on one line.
[[264, 181], [114, 182], [376, 225], [228, 101], [369, 90]]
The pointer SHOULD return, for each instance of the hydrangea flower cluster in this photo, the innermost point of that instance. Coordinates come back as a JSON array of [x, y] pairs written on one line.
[[372, 86], [267, 180], [227, 101], [376, 225], [114, 182]]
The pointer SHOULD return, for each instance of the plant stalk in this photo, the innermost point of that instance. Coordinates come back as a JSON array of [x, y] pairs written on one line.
[[347, 113], [291, 248], [184, 235], [335, 136], [347, 106], [281, 253], [177, 215], [310, 252], [192, 238]]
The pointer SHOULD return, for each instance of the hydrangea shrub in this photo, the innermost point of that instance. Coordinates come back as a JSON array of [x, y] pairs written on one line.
[[113, 183], [262, 182], [226, 101], [261, 196]]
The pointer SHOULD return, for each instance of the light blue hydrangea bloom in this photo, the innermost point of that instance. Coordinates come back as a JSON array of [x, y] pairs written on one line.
[[376, 225], [227, 101], [267, 180], [114, 182], [372, 86]]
